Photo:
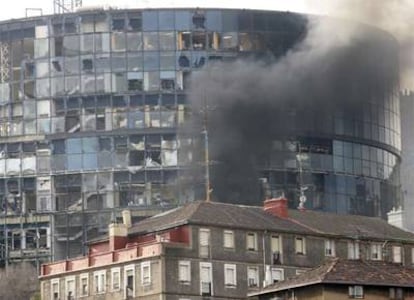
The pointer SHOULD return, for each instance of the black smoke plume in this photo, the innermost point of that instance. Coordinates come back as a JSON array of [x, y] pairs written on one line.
[[250, 103]]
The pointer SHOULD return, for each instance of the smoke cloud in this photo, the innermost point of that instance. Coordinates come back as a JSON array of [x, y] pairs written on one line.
[[393, 16], [333, 67]]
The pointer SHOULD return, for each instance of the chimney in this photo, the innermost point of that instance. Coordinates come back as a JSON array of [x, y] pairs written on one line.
[[277, 207], [118, 236], [126, 218]]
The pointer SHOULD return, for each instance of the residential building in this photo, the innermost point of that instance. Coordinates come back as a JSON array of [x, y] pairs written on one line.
[[221, 251], [338, 279]]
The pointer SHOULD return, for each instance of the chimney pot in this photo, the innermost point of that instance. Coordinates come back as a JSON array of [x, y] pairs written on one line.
[[277, 207]]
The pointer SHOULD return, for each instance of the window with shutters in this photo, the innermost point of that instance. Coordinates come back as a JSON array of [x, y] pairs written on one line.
[[300, 245], [253, 276], [228, 239], [356, 291], [276, 275], [204, 242], [396, 293], [146, 273], [70, 288], [84, 284], [230, 275], [376, 251], [206, 283], [353, 250], [276, 249], [55, 289], [251, 241], [329, 248], [184, 271], [115, 279], [99, 280], [396, 254], [129, 280]]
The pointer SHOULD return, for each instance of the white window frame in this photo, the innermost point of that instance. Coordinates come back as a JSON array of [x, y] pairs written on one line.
[[397, 254], [99, 281], [274, 271], [184, 271], [228, 239], [145, 281], [54, 282], [353, 250], [113, 272], [83, 276], [356, 291], [251, 241], [300, 245], [252, 276], [376, 251], [329, 248], [204, 242], [206, 265], [128, 269], [67, 280], [230, 280], [276, 248]]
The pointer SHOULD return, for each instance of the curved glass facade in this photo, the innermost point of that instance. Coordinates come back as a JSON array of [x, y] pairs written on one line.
[[90, 103]]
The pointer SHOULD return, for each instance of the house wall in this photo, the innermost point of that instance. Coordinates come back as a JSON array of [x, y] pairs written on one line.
[[147, 292]]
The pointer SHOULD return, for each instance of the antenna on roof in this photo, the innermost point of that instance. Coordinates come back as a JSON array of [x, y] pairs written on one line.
[[66, 6], [206, 151]]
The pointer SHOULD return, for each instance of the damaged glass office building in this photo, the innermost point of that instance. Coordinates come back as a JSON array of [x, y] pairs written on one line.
[[91, 103]]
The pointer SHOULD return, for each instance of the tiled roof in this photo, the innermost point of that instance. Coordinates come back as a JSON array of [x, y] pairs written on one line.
[[255, 218], [350, 272]]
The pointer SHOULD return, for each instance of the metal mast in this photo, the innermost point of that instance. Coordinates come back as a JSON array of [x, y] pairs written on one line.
[[65, 6]]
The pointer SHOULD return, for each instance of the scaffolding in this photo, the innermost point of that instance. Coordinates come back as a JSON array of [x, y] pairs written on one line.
[[66, 6]]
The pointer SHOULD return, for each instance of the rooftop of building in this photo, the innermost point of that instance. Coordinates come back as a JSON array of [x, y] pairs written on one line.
[[350, 272], [255, 218]]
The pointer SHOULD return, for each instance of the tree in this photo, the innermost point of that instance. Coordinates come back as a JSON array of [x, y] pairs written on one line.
[[19, 282]]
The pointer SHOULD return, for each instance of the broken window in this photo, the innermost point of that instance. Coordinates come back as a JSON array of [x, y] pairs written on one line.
[[87, 64], [184, 40], [72, 124], [88, 83], [119, 119], [135, 81], [229, 41], [169, 151], [88, 119], [184, 60], [167, 80], [134, 23], [118, 24], [58, 46], [199, 40]]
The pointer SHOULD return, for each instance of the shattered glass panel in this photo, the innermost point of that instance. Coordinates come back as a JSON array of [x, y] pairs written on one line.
[[88, 83], [136, 119]]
